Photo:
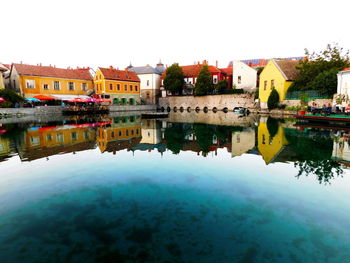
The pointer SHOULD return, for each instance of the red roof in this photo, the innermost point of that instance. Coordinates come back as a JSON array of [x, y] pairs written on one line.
[[346, 69], [48, 71], [115, 74], [193, 70], [227, 71]]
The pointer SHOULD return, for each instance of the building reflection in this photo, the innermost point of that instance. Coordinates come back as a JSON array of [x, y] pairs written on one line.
[[40, 142], [122, 133], [242, 141]]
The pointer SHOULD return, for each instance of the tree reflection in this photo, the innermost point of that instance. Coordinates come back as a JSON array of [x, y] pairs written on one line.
[[313, 152], [175, 137], [325, 170]]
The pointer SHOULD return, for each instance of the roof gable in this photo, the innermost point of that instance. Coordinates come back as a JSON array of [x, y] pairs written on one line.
[[288, 68], [48, 71]]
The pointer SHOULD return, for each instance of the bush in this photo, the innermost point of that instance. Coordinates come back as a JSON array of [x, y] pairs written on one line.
[[233, 91], [10, 96], [273, 100]]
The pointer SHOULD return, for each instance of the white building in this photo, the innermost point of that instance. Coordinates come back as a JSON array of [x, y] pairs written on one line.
[[242, 141], [344, 82], [244, 77], [150, 82]]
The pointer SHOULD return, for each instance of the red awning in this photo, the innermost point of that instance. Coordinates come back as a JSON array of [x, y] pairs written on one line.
[[2, 99], [43, 97]]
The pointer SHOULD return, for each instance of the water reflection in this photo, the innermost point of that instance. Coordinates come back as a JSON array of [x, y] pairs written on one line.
[[323, 152], [175, 191]]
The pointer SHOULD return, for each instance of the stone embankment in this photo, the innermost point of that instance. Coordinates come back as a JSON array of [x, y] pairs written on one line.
[[57, 110], [207, 103]]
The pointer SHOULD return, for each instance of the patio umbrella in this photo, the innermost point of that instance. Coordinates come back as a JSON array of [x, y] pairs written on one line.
[[43, 97], [78, 100], [33, 99], [2, 99]]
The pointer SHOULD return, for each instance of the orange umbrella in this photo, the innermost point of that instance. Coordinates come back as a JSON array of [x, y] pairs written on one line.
[[43, 97]]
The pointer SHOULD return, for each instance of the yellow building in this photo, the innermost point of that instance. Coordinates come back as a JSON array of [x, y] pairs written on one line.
[[5, 148], [121, 86], [123, 133], [47, 141], [279, 75], [32, 80], [3, 69], [269, 147]]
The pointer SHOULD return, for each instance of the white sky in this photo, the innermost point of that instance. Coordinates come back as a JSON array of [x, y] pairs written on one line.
[[102, 33]]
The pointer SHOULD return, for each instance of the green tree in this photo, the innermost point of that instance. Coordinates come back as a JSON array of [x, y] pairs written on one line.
[[174, 79], [273, 100], [10, 96], [327, 62], [175, 137], [221, 86], [204, 84]]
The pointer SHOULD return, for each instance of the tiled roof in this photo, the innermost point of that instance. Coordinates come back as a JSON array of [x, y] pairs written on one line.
[[145, 70], [116, 74], [193, 70], [288, 68], [48, 71], [346, 69], [227, 71]]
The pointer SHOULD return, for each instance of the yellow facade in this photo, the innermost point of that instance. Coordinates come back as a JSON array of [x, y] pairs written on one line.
[[45, 85], [269, 147], [58, 137], [5, 148], [271, 77], [2, 81], [115, 133], [120, 91]]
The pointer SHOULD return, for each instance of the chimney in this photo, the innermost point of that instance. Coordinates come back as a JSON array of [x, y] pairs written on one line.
[[216, 63], [110, 67], [205, 62]]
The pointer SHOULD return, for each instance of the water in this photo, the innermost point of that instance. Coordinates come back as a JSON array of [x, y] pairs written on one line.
[[193, 188]]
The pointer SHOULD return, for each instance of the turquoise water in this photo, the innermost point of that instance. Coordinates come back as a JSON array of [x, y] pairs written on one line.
[[144, 203]]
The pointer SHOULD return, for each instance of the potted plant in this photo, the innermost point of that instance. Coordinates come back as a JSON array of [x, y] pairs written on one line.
[[304, 98]]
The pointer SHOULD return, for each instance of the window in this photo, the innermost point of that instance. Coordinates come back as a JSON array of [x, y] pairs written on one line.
[[239, 80], [272, 84], [45, 86], [30, 83], [265, 84], [125, 87], [49, 137], [86, 135], [35, 141], [112, 134], [74, 136], [147, 82], [111, 86], [215, 79], [56, 85], [130, 87], [59, 137], [118, 86], [127, 132], [136, 88], [71, 86], [120, 133], [83, 86]]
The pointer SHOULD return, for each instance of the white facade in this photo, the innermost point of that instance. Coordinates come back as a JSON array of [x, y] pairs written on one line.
[[344, 83], [242, 142], [149, 81], [244, 77]]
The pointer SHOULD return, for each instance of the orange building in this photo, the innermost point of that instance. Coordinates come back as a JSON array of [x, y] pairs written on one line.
[[30, 80], [121, 86]]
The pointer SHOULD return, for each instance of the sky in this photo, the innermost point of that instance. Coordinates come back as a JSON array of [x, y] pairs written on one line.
[[105, 32]]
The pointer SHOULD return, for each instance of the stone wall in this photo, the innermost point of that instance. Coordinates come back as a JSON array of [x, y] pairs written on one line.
[[114, 108], [213, 101], [42, 110]]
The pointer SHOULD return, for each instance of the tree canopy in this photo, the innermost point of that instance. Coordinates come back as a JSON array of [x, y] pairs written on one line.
[[318, 71], [273, 100], [204, 83], [174, 79]]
